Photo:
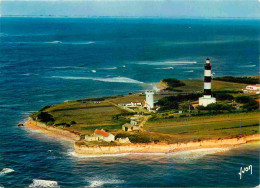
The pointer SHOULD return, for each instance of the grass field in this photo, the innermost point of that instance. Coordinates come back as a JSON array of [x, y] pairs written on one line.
[[88, 115], [197, 85], [206, 127]]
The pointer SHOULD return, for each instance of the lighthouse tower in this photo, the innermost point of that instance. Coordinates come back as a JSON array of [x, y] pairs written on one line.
[[149, 102], [207, 97]]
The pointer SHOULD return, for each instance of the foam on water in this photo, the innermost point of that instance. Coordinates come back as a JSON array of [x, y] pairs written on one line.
[[189, 71], [101, 181], [165, 68], [72, 153], [257, 186], [113, 79], [109, 68], [166, 62], [6, 171], [44, 183], [248, 66], [54, 42], [196, 153]]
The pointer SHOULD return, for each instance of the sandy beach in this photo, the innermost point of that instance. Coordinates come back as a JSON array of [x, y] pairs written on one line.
[[53, 131]]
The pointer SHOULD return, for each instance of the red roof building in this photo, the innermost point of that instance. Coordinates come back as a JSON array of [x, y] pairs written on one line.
[[102, 133]]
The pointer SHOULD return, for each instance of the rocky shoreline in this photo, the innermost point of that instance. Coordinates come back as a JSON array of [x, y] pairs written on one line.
[[137, 148]]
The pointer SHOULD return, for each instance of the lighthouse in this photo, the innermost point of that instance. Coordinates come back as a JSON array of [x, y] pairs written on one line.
[[207, 97], [149, 102]]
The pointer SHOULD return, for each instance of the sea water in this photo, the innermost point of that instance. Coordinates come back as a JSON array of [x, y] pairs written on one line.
[[50, 60]]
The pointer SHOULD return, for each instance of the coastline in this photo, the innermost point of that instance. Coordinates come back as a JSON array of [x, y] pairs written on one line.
[[139, 147], [163, 148], [52, 131]]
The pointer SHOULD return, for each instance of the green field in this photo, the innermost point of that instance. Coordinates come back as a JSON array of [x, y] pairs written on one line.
[[88, 116], [206, 127], [197, 85]]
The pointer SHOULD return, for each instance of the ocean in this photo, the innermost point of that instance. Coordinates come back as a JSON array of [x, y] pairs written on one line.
[[50, 60]]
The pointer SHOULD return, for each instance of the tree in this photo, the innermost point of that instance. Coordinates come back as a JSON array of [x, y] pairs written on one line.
[[44, 117], [243, 99]]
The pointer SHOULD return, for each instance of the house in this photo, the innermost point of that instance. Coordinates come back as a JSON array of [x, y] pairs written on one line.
[[133, 122], [123, 140], [91, 138], [253, 87], [100, 135], [103, 135], [128, 127]]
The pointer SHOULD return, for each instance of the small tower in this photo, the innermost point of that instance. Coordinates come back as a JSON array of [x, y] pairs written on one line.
[[207, 97], [149, 99]]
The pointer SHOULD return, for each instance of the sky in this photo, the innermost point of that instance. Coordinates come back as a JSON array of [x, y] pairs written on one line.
[[134, 8]]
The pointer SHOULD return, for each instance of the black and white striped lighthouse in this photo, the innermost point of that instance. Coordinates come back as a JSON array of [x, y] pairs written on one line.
[[207, 79], [207, 97]]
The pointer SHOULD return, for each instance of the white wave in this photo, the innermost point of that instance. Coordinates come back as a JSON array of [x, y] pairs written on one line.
[[100, 181], [166, 62], [88, 42], [155, 88], [1, 186], [109, 68], [30, 74], [165, 68], [196, 153], [44, 183], [6, 171], [65, 67], [54, 42], [94, 71], [113, 79], [248, 66], [72, 153], [257, 186], [189, 71]]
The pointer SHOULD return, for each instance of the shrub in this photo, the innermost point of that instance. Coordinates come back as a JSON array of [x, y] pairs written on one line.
[[216, 107], [251, 105], [173, 82], [243, 99], [172, 102], [135, 138], [246, 80], [73, 122], [44, 117], [45, 107], [223, 96]]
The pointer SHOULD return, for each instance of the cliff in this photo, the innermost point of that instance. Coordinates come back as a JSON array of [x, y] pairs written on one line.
[[163, 148]]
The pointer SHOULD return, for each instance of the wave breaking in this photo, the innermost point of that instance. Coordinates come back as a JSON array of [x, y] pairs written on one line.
[[113, 79]]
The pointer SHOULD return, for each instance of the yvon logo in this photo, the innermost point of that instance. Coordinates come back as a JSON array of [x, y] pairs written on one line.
[[246, 169]]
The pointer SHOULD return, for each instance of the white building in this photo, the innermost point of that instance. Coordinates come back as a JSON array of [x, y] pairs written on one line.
[[100, 135], [149, 102], [253, 87]]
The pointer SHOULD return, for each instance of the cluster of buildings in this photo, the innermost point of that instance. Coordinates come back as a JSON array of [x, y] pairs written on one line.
[[134, 125], [255, 89], [102, 135], [148, 103]]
